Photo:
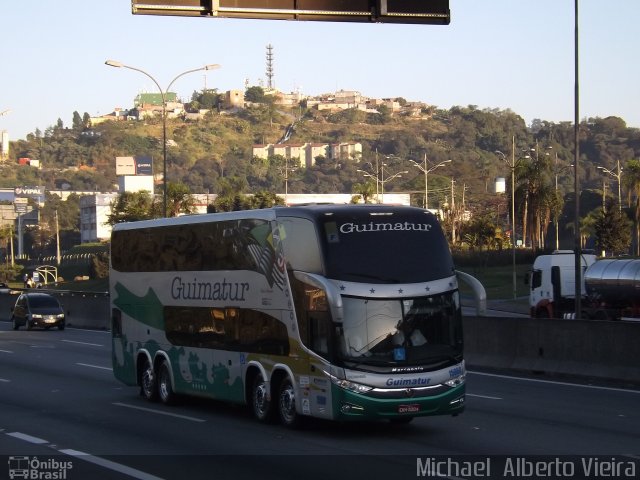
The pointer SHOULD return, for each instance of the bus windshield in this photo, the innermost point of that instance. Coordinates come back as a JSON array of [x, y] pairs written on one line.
[[408, 331]]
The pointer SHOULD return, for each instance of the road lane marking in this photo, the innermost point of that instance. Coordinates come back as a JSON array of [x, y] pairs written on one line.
[[4, 380], [84, 343], [483, 396], [537, 380], [116, 467], [101, 462], [94, 366], [28, 438], [6, 351], [160, 412]]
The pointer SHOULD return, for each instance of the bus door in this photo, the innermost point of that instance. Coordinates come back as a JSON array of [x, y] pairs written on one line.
[[316, 327]]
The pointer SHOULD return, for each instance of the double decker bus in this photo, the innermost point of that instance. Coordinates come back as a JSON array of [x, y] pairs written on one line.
[[344, 312]]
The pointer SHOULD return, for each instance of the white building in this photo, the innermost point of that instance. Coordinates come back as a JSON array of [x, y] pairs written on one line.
[[94, 212]]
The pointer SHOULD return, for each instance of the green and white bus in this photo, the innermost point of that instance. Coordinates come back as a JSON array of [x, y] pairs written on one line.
[[345, 312]]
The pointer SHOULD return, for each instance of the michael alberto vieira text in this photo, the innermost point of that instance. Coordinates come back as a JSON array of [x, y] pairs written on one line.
[[527, 467]]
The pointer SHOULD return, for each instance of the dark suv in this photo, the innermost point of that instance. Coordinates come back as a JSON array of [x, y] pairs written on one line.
[[35, 309]]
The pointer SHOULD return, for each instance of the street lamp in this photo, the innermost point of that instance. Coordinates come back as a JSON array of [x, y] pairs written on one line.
[[373, 177], [513, 164], [163, 93], [388, 179], [426, 171], [617, 176]]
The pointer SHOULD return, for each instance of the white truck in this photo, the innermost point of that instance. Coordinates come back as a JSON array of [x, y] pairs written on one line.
[[552, 283], [610, 287]]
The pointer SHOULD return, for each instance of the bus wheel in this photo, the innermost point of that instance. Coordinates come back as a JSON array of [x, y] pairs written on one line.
[[262, 406], [165, 390], [148, 388], [287, 404]]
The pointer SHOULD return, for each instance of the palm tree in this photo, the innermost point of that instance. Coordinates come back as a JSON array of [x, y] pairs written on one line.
[[631, 179], [535, 189], [365, 190]]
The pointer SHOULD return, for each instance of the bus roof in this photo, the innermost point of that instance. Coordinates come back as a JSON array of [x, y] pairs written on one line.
[[266, 214], [322, 210], [314, 212]]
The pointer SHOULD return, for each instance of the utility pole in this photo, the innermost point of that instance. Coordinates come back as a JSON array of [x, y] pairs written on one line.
[[57, 240], [453, 213]]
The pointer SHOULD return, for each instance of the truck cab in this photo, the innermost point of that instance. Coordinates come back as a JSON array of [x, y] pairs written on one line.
[[552, 283]]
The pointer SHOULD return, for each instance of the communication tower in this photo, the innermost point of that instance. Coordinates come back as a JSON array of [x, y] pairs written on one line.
[[270, 74]]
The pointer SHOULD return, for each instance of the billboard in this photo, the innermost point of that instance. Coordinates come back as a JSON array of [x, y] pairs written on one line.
[[434, 12], [139, 165], [37, 193]]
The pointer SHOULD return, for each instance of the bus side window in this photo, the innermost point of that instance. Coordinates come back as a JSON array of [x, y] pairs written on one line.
[[313, 315]]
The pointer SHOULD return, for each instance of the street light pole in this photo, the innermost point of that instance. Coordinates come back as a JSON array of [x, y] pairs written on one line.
[[618, 177], [426, 170], [512, 165], [163, 94], [381, 180], [388, 179]]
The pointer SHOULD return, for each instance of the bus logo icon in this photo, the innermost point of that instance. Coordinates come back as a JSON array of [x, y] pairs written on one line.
[[18, 467]]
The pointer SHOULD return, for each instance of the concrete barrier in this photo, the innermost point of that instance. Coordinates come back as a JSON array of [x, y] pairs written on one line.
[[585, 348], [82, 309]]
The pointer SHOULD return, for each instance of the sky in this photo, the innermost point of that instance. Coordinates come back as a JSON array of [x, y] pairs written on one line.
[[504, 54]]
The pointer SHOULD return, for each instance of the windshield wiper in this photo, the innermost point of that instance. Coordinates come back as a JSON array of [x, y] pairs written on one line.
[[374, 342]]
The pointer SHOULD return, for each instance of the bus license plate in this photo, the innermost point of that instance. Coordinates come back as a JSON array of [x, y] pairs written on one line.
[[413, 408]]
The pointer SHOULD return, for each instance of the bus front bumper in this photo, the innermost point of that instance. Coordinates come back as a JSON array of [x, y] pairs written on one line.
[[354, 406]]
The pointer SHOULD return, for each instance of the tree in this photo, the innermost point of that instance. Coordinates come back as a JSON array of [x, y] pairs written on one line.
[[179, 200], [207, 99], [613, 231], [131, 207], [230, 197], [265, 199], [77, 121], [254, 94], [479, 232], [364, 190], [631, 179]]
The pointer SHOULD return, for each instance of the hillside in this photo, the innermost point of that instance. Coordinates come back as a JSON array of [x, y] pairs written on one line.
[[203, 152]]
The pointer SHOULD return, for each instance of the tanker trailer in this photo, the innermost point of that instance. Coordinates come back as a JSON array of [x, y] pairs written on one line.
[[613, 289]]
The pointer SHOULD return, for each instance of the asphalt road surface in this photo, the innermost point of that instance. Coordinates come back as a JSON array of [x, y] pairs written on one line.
[[60, 404]]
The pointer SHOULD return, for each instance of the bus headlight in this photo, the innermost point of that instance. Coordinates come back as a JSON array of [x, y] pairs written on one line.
[[347, 385], [455, 382]]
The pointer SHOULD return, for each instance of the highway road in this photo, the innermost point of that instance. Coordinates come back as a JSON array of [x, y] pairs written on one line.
[[60, 403]]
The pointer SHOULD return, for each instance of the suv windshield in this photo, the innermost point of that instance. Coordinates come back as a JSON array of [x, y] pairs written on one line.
[[43, 302], [408, 331]]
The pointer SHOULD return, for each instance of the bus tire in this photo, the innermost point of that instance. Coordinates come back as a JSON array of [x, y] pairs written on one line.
[[289, 416], [260, 402], [165, 389], [148, 386]]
